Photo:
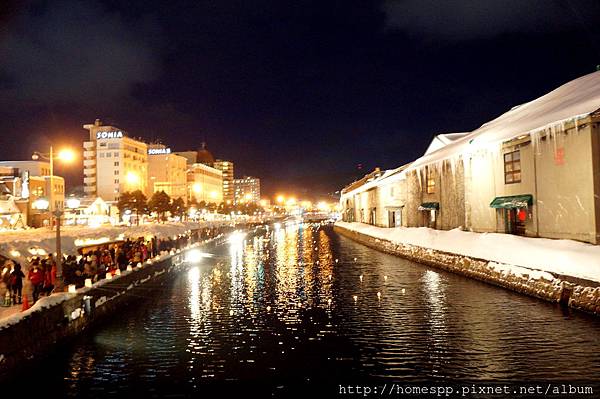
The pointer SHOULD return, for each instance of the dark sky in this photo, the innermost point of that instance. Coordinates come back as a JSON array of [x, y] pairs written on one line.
[[295, 92]]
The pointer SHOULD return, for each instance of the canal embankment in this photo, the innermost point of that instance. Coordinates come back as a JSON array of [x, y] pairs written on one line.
[[31, 335], [574, 291]]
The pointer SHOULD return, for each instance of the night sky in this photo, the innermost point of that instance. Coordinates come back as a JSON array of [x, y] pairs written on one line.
[[295, 92]]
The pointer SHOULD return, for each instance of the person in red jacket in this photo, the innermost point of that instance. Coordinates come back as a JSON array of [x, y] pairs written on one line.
[[49, 269], [36, 277]]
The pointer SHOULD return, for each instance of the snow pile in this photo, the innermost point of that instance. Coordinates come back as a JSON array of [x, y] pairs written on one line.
[[567, 257], [520, 271], [21, 244], [42, 303]]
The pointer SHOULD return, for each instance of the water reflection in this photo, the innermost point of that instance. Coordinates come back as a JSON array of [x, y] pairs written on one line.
[[286, 306]]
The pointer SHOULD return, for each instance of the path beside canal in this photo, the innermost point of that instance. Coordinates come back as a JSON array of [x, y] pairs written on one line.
[[555, 270]]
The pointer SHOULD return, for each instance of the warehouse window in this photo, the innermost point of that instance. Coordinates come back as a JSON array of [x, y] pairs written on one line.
[[430, 180], [512, 167]]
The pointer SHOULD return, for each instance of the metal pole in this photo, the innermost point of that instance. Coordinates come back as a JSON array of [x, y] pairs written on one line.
[[50, 196], [59, 282], [57, 214]]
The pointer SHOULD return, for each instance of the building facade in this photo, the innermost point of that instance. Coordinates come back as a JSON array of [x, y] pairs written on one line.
[[32, 180], [191, 157], [226, 168], [166, 172], [246, 190], [205, 184], [533, 171], [113, 163]]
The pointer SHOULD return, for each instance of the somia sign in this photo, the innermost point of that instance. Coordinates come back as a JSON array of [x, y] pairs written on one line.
[[109, 135]]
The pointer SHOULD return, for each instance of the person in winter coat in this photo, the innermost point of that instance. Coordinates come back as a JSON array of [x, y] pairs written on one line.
[[49, 277], [16, 284], [122, 259], [36, 277]]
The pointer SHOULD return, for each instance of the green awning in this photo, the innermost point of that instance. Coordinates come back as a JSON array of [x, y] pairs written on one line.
[[514, 201], [428, 206]]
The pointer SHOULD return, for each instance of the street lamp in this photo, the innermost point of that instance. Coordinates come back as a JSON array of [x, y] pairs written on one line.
[[132, 178], [65, 155]]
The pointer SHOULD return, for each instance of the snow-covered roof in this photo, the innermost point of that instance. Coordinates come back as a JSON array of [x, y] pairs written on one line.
[[374, 182], [573, 100], [442, 140]]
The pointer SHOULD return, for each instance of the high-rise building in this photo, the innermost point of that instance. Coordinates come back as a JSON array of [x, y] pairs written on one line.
[[226, 167], [113, 163], [247, 190], [205, 183], [196, 160], [166, 172]]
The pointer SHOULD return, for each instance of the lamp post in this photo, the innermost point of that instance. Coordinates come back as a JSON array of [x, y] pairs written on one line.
[[67, 156], [59, 281]]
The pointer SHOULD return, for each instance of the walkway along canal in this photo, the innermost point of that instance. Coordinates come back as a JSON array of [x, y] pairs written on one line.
[[567, 290], [300, 310]]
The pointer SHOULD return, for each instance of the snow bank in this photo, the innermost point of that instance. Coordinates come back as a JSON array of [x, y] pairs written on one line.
[[21, 244], [42, 303], [508, 252]]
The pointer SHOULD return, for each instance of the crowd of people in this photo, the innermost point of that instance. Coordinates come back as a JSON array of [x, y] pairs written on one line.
[[91, 263]]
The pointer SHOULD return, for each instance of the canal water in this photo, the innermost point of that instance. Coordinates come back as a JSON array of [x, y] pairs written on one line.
[[298, 310]]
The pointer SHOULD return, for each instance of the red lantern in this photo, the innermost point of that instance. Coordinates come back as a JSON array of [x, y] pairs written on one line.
[[522, 215]]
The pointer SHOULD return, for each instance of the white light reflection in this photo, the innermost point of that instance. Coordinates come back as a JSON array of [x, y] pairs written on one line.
[[437, 311], [237, 238], [194, 281], [195, 256], [436, 296]]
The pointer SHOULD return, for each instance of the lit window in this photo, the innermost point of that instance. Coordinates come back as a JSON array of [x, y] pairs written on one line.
[[430, 180], [512, 167]]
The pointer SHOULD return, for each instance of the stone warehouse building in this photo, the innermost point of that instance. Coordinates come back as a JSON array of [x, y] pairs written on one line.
[[533, 171]]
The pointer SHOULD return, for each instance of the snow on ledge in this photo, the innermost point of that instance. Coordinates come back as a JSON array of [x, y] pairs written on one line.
[[506, 251]]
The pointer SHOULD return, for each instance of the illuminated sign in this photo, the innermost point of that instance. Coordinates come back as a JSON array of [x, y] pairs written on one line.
[[159, 151], [109, 135]]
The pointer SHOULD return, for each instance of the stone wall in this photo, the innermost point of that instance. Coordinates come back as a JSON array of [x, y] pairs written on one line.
[[575, 293], [40, 332]]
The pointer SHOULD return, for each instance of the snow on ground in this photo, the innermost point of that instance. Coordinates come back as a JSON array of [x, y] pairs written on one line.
[[20, 244], [567, 257], [13, 315]]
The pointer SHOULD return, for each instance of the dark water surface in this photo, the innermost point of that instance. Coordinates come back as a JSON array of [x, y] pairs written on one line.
[[262, 318]]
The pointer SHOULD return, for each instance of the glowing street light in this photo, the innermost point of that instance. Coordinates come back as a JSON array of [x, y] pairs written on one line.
[[66, 155], [323, 206], [41, 204], [132, 178], [73, 203], [197, 187], [280, 199]]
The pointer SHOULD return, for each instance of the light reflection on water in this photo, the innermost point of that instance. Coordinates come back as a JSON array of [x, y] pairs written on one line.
[[273, 309]]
